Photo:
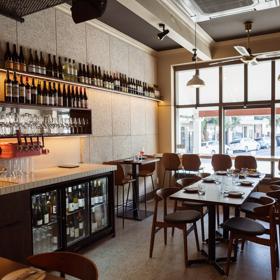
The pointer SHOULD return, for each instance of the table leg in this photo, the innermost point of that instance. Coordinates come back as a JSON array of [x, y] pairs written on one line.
[[211, 233], [226, 217], [135, 174]]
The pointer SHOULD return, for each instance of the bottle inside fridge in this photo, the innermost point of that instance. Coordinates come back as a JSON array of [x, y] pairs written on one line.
[[77, 226], [99, 204], [44, 222]]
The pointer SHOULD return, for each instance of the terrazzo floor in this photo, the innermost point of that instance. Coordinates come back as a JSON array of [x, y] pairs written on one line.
[[126, 257]]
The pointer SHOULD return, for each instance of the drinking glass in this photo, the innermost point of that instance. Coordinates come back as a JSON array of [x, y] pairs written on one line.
[[201, 189]]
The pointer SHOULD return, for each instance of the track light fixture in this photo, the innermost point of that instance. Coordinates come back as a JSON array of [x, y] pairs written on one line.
[[164, 32]]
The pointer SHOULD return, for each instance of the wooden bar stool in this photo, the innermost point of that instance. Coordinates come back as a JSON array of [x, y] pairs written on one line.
[[72, 264], [178, 219], [171, 162]]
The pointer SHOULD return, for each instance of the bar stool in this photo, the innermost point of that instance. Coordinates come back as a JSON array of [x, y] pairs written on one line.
[[171, 162], [178, 219], [221, 162], [121, 181]]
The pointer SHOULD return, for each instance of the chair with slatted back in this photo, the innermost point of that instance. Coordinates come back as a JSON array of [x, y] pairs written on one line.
[[171, 162], [252, 230], [121, 181], [221, 162], [66, 263], [178, 219]]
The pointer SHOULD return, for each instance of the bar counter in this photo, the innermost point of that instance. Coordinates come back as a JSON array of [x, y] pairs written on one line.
[[50, 176]]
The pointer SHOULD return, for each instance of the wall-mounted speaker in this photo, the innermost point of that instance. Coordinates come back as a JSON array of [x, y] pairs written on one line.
[[83, 10]]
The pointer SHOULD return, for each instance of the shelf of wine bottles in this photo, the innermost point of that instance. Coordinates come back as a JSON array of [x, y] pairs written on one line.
[[77, 225], [74, 73], [45, 222], [99, 204]]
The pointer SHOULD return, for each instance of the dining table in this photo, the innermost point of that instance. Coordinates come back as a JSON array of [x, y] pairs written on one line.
[[136, 213], [217, 190], [7, 266]]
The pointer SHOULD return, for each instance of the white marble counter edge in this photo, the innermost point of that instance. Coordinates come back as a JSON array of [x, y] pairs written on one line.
[[37, 183]]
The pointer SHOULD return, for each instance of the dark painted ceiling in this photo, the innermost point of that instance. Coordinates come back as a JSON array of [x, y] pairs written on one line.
[[124, 20], [231, 27]]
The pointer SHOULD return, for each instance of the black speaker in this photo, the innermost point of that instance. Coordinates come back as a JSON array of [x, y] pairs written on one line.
[[83, 10]]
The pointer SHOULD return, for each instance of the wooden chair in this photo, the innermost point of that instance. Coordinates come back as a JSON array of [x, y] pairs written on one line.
[[171, 162], [178, 219], [189, 205], [221, 162], [251, 230], [145, 171], [191, 162], [245, 162], [72, 264], [121, 181]]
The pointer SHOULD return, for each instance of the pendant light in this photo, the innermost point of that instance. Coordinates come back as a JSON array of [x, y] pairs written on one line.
[[195, 81]]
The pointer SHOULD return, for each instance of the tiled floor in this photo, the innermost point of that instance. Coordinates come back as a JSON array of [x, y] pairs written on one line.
[[126, 257]]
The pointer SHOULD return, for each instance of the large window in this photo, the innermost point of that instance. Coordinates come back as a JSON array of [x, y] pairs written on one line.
[[247, 106]]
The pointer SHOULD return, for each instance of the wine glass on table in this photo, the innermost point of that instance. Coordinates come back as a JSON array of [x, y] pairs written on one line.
[[141, 153]]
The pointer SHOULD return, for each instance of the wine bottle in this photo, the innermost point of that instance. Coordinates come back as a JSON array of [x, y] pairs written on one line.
[[15, 89], [69, 96], [28, 92], [75, 71], [22, 62], [8, 57], [55, 95], [60, 96], [85, 99], [37, 63], [78, 99], [49, 67], [40, 97], [42, 64], [76, 226], [31, 66], [55, 68], [71, 205], [88, 76], [81, 77], [93, 220], [81, 224], [51, 95], [95, 81], [33, 92], [72, 229], [15, 58], [92, 75], [39, 213], [64, 95], [45, 94], [53, 203], [46, 213], [65, 69], [100, 78], [60, 68], [85, 74], [8, 88], [75, 198], [82, 98], [70, 70], [74, 97]]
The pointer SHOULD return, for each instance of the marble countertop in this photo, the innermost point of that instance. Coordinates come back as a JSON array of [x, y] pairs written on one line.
[[50, 176]]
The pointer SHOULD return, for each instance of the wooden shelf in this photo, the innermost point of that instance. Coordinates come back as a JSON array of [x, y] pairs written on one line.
[[47, 78]]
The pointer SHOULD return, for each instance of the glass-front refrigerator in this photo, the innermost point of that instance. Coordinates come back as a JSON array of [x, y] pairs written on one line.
[[77, 220], [45, 224], [99, 204]]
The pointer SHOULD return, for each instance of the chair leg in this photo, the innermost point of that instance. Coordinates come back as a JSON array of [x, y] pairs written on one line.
[[123, 207], [185, 246], [152, 240], [153, 182], [230, 247], [170, 175], [117, 200], [218, 216], [127, 196], [165, 235], [273, 259], [196, 237], [145, 195], [163, 179]]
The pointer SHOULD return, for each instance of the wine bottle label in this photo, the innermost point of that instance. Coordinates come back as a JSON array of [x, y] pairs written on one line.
[[39, 222], [15, 90], [22, 91], [33, 91], [9, 90], [44, 70], [77, 233], [46, 100], [46, 218], [38, 69], [89, 80], [71, 207], [16, 66], [9, 64], [28, 94], [81, 202], [72, 232], [22, 67], [40, 100], [60, 101], [81, 79], [81, 225], [31, 68]]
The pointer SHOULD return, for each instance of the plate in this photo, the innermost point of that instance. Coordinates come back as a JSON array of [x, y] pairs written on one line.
[[235, 194], [209, 180], [221, 172], [246, 183], [191, 189], [28, 273], [69, 166], [254, 175]]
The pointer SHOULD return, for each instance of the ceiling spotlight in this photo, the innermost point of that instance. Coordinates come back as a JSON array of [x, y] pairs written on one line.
[[164, 32]]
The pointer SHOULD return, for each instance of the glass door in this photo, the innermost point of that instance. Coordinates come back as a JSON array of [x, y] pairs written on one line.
[[99, 204], [45, 227], [77, 221]]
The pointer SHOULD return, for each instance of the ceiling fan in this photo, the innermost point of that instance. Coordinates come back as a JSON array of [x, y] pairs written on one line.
[[247, 56]]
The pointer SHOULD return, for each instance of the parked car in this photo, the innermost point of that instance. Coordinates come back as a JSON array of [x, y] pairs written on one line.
[[264, 142], [244, 144], [212, 147]]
